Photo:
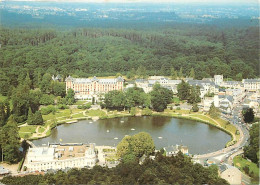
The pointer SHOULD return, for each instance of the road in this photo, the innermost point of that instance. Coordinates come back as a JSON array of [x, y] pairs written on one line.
[[227, 154]]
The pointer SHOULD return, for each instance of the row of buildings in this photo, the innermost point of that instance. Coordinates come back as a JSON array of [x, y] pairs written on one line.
[[224, 94]]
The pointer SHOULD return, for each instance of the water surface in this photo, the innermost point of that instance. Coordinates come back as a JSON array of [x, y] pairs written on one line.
[[199, 137]]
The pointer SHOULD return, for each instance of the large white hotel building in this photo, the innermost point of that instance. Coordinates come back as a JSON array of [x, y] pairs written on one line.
[[86, 88]]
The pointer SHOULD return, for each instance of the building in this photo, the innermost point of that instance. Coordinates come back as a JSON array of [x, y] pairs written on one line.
[[226, 103], [206, 86], [218, 79], [57, 78], [61, 156], [233, 84], [147, 85], [87, 88], [251, 85], [173, 150]]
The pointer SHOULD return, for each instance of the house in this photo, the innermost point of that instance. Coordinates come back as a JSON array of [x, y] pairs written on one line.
[[226, 103], [173, 150]]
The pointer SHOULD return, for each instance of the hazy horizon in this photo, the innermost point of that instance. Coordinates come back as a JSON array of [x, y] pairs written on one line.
[[149, 1]]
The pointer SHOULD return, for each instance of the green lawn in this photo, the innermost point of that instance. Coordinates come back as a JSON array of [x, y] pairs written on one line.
[[29, 128], [98, 113], [41, 129], [80, 115], [240, 163], [60, 113], [80, 102], [25, 135]]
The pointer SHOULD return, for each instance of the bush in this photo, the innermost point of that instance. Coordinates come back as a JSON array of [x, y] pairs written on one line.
[[147, 112], [178, 108], [48, 110], [63, 106], [86, 106], [47, 99]]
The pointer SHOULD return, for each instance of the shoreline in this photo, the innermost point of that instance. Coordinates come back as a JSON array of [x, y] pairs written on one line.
[[167, 114]]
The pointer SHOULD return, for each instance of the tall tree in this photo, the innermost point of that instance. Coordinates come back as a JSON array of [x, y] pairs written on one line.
[[192, 73], [10, 141], [160, 97], [248, 115], [45, 84]]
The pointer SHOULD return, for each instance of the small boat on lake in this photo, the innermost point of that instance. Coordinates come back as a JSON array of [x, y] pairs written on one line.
[[132, 129], [115, 138], [107, 130], [160, 137]]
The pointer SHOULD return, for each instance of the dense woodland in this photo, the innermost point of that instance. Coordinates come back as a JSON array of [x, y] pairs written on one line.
[[162, 170], [208, 50]]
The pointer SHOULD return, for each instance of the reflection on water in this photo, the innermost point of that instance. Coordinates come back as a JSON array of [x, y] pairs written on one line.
[[199, 137]]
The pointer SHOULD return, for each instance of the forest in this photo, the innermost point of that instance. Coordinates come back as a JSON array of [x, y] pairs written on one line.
[[84, 52], [177, 169]]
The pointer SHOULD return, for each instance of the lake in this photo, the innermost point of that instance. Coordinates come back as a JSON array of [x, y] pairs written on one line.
[[166, 131]]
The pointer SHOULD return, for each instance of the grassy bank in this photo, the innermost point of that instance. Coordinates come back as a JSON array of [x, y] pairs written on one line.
[[253, 170]]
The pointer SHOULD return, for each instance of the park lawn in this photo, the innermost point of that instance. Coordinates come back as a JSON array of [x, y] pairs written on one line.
[[175, 111], [240, 162], [79, 115], [80, 102], [29, 128], [25, 135], [59, 113], [205, 118], [41, 129], [98, 113]]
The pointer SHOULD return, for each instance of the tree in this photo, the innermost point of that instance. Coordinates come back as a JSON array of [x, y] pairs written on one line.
[[115, 100], [252, 150], [45, 84], [160, 97], [248, 115], [47, 99], [183, 89], [194, 96], [58, 88], [4, 111], [70, 97], [214, 111], [142, 143], [136, 96], [195, 107], [192, 73], [180, 73], [174, 74], [138, 144], [21, 102], [10, 141]]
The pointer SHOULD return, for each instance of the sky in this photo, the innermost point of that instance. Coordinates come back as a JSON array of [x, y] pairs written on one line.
[[154, 1]]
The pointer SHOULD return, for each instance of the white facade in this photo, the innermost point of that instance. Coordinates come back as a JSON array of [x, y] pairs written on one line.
[[147, 85], [218, 79], [60, 157], [86, 88]]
